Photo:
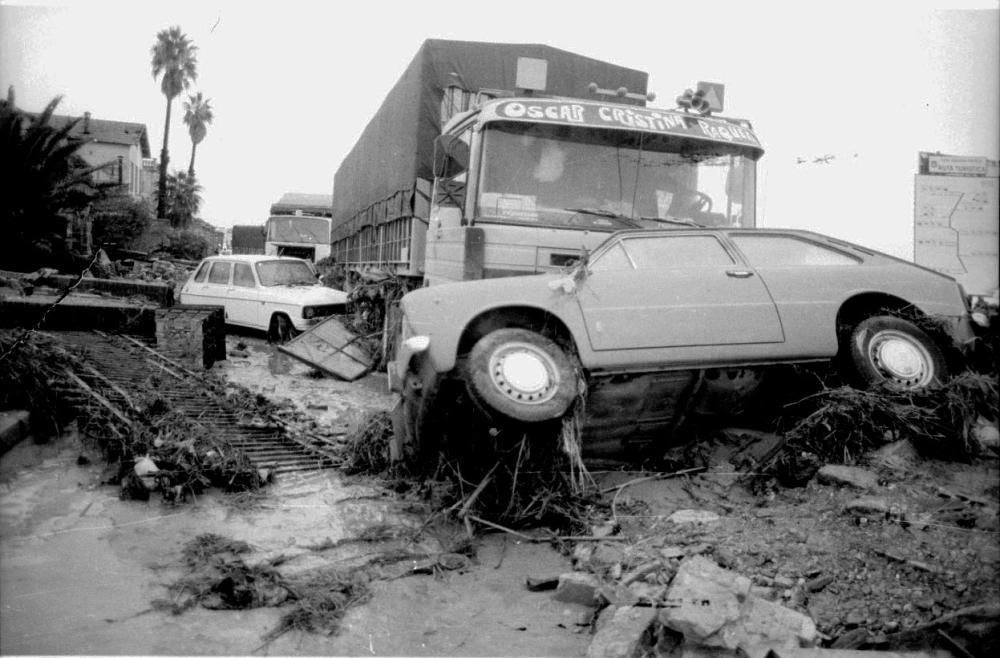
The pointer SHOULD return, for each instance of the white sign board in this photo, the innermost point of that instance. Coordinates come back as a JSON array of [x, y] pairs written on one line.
[[956, 229]]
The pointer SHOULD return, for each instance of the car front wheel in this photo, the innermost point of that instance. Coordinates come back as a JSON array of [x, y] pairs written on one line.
[[891, 350], [521, 375], [280, 330]]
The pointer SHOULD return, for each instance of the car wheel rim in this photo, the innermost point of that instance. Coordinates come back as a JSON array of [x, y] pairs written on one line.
[[901, 359], [523, 373]]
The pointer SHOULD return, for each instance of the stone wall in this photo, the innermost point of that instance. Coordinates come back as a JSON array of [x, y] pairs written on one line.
[[194, 336]]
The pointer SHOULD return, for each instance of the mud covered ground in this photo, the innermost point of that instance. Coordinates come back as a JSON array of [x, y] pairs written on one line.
[[79, 569]]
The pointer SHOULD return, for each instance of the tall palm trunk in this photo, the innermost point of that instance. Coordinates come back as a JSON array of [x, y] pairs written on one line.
[[194, 147], [161, 197]]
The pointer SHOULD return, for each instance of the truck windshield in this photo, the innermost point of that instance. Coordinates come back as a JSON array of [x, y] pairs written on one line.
[[285, 273], [601, 179], [311, 230]]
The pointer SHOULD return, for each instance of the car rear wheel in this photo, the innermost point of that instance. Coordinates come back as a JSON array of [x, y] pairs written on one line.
[[521, 375], [894, 351], [280, 330]]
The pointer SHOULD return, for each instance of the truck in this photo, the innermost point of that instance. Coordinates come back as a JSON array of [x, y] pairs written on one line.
[[299, 226], [489, 160], [248, 239]]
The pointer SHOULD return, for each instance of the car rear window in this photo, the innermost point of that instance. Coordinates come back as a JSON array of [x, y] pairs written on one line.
[[243, 276], [677, 251], [789, 251], [219, 273]]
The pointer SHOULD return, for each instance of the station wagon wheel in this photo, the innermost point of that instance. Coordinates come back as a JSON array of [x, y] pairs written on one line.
[[280, 330], [891, 350], [520, 374]]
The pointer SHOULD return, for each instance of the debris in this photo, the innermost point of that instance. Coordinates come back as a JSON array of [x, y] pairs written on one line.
[[541, 584], [684, 516], [332, 348], [897, 458], [868, 505], [850, 476], [641, 572], [922, 566], [818, 583], [578, 587], [626, 634]]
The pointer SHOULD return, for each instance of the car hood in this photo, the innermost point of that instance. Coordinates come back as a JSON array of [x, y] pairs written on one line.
[[306, 295]]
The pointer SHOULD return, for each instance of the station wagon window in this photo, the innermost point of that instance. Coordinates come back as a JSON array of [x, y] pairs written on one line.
[[219, 273], [243, 276], [789, 251], [202, 272], [677, 251]]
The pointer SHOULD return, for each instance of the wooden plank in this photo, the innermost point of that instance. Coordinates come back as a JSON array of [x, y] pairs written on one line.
[[332, 348]]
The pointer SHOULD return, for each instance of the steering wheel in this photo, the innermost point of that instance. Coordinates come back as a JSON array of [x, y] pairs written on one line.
[[700, 202]]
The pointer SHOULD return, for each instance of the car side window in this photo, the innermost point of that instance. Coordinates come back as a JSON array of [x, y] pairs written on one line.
[[202, 272], [219, 273], [788, 251], [614, 258], [677, 251], [243, 276]]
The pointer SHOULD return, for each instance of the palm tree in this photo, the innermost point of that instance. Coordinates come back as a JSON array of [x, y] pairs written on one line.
[[43, 177], [183, 199], [197, 116], [174, 57]]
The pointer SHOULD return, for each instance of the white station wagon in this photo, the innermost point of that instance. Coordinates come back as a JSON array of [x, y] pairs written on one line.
[[276, 294]]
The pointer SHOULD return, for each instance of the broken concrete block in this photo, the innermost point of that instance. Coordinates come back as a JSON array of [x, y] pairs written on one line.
[[714, 608], [847, 476], [693, 516], [626, 635], [706, 596], [578, 587]]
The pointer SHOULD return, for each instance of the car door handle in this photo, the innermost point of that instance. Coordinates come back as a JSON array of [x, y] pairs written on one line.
[[739, 274]]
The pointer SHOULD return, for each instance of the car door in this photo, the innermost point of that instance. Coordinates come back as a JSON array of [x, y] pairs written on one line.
[[675, 290], [808, 281], [214, 291], [243, 297]]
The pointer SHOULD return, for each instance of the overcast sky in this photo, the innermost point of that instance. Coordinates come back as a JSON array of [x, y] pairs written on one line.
[[293, 84]]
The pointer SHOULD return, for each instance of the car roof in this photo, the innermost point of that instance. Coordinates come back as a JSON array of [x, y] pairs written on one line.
[[252, 258]]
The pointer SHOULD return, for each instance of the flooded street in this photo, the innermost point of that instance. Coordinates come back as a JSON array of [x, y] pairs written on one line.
[[79, 568]]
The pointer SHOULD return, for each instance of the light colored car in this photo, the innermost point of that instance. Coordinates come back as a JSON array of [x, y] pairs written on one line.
[[659, 320], [280, 295]]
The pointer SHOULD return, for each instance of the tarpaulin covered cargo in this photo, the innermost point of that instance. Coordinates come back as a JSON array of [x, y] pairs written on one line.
[[378, 180]]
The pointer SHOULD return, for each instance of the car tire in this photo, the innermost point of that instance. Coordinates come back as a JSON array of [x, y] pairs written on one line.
[[280, 330], [884, 349], [520, 374]]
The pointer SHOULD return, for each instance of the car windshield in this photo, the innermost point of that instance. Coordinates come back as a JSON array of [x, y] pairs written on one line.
[[611, 179], [285, 273], [312, 230]]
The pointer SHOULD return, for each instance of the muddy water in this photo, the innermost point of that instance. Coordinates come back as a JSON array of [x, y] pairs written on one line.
[[79, 568]]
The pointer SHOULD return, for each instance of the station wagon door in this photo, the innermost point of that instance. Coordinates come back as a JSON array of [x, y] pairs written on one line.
[[675, 290], [243, 306]]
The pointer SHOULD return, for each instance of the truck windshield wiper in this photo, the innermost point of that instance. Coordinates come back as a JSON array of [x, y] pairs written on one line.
[[597, 212], [671, 220]]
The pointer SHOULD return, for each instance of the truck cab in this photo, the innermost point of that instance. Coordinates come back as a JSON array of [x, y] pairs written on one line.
[[527, 185], [298, 235]]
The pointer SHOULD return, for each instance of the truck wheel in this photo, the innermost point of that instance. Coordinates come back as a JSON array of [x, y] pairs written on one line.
[[520, 374], [280, 330], [891, 350]]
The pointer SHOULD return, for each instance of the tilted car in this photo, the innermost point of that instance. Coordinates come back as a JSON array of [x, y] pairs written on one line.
[[275, 294], [655, 316]]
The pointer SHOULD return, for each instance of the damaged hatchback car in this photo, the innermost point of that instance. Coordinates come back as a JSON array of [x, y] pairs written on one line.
[[280, 295], [654, 318]]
